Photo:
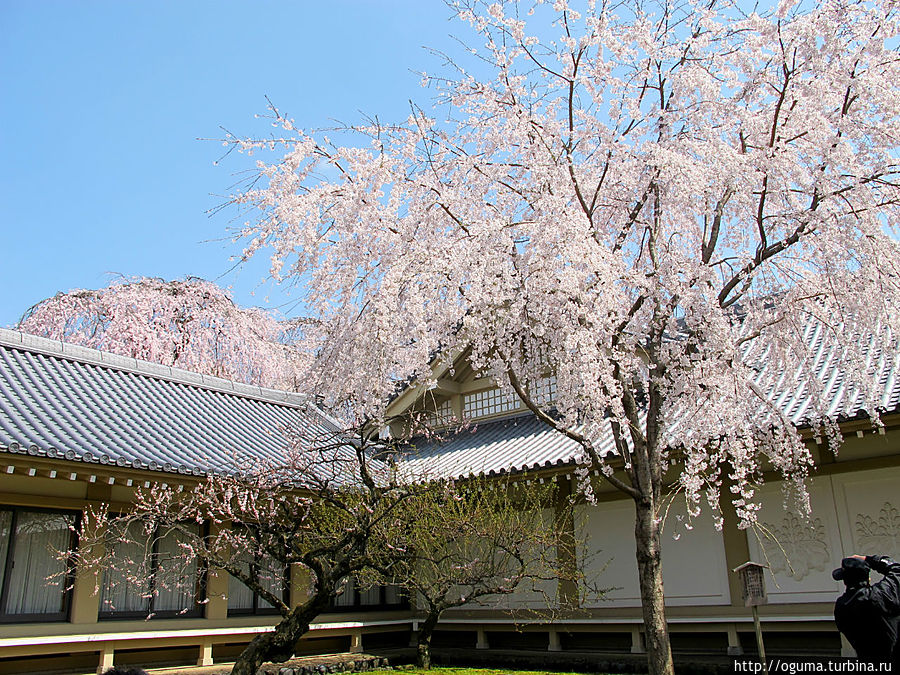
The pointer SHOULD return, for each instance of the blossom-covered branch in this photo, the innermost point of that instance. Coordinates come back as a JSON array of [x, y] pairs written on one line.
[[192, 324], [330, 509], [666, 205]]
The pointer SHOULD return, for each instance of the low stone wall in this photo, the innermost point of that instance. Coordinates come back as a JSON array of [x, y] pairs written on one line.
[[301, 665], [340, 663]]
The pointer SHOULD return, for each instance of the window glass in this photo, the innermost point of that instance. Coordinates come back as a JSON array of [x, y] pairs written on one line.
[[442, 414], [392, 595], [240, 597], [370, 596], [30, 546], [126, 584], [151, 575], [271, 577], [544, 391], [489, 402], [389, 596], [175, 579], [265, 570], [5, 525], [348, 597]]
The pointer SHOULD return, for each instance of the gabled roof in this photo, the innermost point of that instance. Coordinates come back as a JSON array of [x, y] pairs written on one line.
[[522, 442], [494, 447], [63, 401], [791, 394]]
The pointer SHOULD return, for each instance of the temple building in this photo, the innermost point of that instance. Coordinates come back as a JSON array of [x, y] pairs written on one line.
[[80, 428]]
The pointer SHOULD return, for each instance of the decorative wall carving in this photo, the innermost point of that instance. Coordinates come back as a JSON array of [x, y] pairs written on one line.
[[796, 547], [881, 534]]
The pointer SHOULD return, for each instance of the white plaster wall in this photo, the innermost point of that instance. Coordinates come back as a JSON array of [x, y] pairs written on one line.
[[530, 594], [869, 512], [801, 554], [534, 594], [858, 512], [608, 532], [694, 569]]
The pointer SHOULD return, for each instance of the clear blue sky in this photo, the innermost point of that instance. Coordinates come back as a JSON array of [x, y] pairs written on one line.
[[102, 103]]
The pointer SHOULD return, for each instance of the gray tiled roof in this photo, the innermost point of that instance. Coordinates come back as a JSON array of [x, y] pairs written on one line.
[[493, 447], [68, 402], [64, 401], [791, 395], [523, 443]]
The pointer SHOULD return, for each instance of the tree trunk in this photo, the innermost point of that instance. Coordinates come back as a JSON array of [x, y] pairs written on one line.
[[423, 649], [649, 561], [278, 645]]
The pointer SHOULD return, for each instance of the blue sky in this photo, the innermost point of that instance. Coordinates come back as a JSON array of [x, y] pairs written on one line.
[[102, 103]]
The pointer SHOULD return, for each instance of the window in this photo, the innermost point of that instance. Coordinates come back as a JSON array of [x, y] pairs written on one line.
[[375, 597], [269, 574], [544, 391], [442, 415], [488, 402], [151, 577], [33, 580]]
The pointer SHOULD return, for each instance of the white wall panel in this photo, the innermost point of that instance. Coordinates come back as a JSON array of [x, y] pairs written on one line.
[[694, 569], [869, 509], [608, 532], [801, 553], [532, 594]]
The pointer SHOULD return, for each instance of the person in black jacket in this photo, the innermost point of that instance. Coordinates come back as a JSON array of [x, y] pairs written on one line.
[[869, 614]]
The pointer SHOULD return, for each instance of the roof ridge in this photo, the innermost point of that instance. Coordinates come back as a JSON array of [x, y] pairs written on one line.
[[72, 352]]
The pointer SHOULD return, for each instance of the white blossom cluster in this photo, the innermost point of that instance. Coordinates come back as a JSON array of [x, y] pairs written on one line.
[[191, 324], [684, 211]]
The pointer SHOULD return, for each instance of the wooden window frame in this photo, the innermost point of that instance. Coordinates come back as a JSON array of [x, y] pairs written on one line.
[[356, 606], [196, 612], [62, 615]]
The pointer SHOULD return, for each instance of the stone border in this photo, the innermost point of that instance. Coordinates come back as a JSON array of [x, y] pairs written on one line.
[[355, 665]]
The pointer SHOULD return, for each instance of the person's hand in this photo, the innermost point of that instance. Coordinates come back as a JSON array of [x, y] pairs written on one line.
[[858, 557]]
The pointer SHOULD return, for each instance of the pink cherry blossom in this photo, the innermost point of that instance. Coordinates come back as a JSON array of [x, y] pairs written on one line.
[[674, 207]]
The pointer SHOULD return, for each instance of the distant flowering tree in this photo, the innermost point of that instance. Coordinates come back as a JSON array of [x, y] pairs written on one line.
[[663, 203], [190, 323], [332, 507]]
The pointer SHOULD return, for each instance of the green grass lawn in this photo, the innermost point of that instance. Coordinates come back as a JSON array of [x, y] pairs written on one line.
[[469, 671]]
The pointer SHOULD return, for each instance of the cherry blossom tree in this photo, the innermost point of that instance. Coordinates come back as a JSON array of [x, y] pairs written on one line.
[[669, 205], [331, 508], [190, 323]]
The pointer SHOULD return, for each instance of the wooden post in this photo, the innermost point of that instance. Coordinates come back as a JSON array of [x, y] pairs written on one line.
[[566, 555], [107, 657], [637, 641], [734, 642], [217, 581], [555, 645], [85, 602], [759, 641], [205, 657], [301, 582], [847, 650]]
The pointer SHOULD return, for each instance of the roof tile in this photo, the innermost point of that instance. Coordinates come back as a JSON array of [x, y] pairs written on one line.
[[64, 401]]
